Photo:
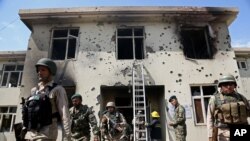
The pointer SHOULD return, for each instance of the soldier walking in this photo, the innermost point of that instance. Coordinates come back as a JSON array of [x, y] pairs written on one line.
[[226, 107], [47, 105], [179, 120], [82, 118], [113, 124]]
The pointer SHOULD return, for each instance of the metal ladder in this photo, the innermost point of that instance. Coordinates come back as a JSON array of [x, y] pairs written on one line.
[[139, 103]]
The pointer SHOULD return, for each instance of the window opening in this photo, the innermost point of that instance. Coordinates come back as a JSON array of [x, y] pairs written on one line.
[[242, 64], [130, 43], [200, 99], [64, 43], [7, 118], [197, 43], [12, 75]]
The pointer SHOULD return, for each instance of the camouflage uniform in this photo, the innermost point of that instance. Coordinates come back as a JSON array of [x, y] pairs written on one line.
[[179, 123], [110, 133], [214, 103], [82, 118]]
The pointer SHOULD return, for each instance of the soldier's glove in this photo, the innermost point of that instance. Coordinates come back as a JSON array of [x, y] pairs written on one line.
[[146, 124]]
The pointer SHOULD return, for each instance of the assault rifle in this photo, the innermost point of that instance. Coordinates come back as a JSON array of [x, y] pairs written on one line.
[[114, 127]]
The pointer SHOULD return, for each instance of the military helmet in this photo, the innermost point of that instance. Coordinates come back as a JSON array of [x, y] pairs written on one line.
[[227, 78], [48, 63], [155, 114], [110, 104], [76, 96]]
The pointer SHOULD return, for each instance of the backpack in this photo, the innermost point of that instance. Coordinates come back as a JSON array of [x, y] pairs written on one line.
[[37, 111]]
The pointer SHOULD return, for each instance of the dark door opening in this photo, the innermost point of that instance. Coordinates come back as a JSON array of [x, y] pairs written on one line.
[[123, 98]]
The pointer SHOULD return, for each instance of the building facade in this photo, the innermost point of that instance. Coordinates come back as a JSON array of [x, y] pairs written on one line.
[[243, 62], [184, 51], [11, 70]]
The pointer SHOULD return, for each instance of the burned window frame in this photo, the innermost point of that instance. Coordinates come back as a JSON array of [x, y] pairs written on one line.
[[203, 103], [6, 115], [135, 40], [207, 41], [65, 53], [7, 75]]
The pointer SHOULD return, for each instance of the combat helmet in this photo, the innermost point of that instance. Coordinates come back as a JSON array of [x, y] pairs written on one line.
[[76, 96], [110, 104], [155, 114], [48, 63], [227, 78]]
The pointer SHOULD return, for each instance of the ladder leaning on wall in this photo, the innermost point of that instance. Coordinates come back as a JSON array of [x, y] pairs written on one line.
[[139, 103]]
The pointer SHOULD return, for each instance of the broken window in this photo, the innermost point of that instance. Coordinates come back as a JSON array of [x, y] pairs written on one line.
[[12, 75], [7, 118], [197, 42], [242, 64], [64, 43], [200, 98], [130, 43]]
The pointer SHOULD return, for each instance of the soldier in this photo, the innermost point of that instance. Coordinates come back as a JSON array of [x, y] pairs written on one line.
[[155, 126], [226, 107], [113, 124], [47, 105], [82, 117], [179, 120]]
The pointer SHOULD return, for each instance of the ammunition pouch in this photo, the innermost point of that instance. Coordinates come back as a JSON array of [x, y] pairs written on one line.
[[233, 113]]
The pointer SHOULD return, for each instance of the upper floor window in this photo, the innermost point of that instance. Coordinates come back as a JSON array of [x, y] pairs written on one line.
[[200, 98], [12, 75], [64, 43], [242, 64], [7, 118], [130, 43], [197, 42]]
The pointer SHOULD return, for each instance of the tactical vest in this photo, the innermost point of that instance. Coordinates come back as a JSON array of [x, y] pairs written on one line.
[[232, 110], [37, 111]]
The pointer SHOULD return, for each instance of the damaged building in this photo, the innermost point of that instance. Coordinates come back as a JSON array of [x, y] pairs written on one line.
[[182, 50]]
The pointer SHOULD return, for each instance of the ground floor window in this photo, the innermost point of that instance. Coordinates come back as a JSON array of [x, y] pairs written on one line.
[[200, 98], [7, 118]]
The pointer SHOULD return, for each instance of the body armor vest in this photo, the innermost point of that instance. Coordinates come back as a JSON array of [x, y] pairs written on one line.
[[37, 111], [230, 109]]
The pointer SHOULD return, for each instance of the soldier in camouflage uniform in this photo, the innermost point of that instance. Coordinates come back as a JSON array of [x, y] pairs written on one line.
[[226, 107], [179, 120], [82, 117], [113, 124]]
